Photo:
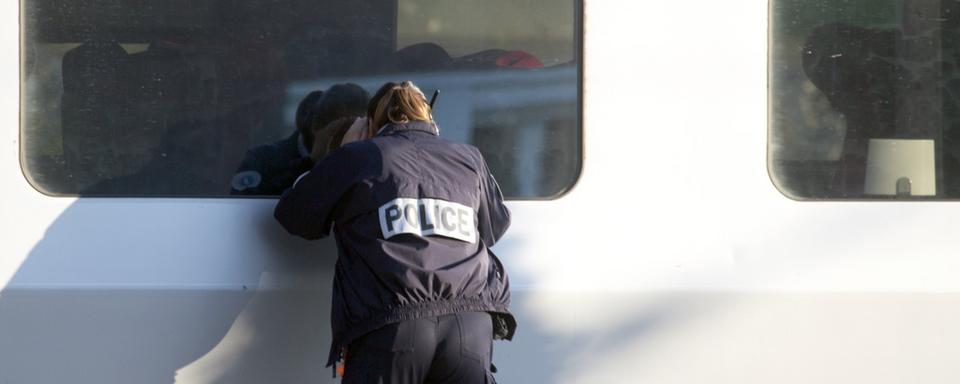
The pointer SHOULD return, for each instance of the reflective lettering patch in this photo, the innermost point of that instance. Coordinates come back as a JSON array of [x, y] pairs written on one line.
[[245, 179], [426, 217]]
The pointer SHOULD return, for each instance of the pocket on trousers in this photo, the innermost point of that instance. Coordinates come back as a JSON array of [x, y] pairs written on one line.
[[476, 336]]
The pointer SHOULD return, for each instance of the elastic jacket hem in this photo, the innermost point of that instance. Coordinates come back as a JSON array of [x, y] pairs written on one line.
[[504, 322]]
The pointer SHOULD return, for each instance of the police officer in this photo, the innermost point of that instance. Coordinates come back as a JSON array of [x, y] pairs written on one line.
[[271, 168], [418, 296]]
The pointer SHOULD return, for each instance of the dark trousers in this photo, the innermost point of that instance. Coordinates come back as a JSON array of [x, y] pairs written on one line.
[[436, 350]]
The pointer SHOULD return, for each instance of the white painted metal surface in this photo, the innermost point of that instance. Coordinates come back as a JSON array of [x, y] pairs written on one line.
[[673, 260]]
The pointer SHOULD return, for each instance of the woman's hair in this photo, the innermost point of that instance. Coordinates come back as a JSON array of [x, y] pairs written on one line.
[[398, 104], [375, 100]]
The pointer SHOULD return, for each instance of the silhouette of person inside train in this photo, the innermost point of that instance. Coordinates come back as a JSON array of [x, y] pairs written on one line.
[[271, 168], [136, 124], [859, 71], [170, 120]]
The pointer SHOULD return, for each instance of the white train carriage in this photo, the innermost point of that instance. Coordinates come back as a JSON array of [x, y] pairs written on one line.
[[688, 182]]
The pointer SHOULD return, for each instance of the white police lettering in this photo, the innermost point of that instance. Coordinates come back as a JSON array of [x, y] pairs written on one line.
[[425, 217]]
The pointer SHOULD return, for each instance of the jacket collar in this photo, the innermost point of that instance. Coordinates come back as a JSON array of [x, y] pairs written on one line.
[[421, 126]]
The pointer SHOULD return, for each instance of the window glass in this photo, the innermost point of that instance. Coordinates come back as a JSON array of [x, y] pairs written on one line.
[[187, 98], [865, 99]]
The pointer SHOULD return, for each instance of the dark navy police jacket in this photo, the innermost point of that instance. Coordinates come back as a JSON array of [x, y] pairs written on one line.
[[271, 168], [414, 216]]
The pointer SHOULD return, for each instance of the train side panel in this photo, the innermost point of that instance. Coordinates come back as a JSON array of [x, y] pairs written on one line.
[[674, 259]]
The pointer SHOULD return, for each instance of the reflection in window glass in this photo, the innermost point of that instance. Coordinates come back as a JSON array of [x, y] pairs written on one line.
[[865, 98], [186, 98]]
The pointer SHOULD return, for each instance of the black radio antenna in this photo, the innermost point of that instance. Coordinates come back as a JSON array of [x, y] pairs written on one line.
[[434, 98]]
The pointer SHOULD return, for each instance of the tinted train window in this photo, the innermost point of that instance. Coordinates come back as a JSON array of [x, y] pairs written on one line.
[[188, 98], [865, 99]]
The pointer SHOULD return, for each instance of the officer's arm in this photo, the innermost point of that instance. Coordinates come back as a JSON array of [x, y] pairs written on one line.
[[307, 208], [494, 217]]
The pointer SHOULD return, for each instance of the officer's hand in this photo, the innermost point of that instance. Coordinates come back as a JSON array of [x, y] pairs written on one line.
[[358, 131], [320, 141]]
